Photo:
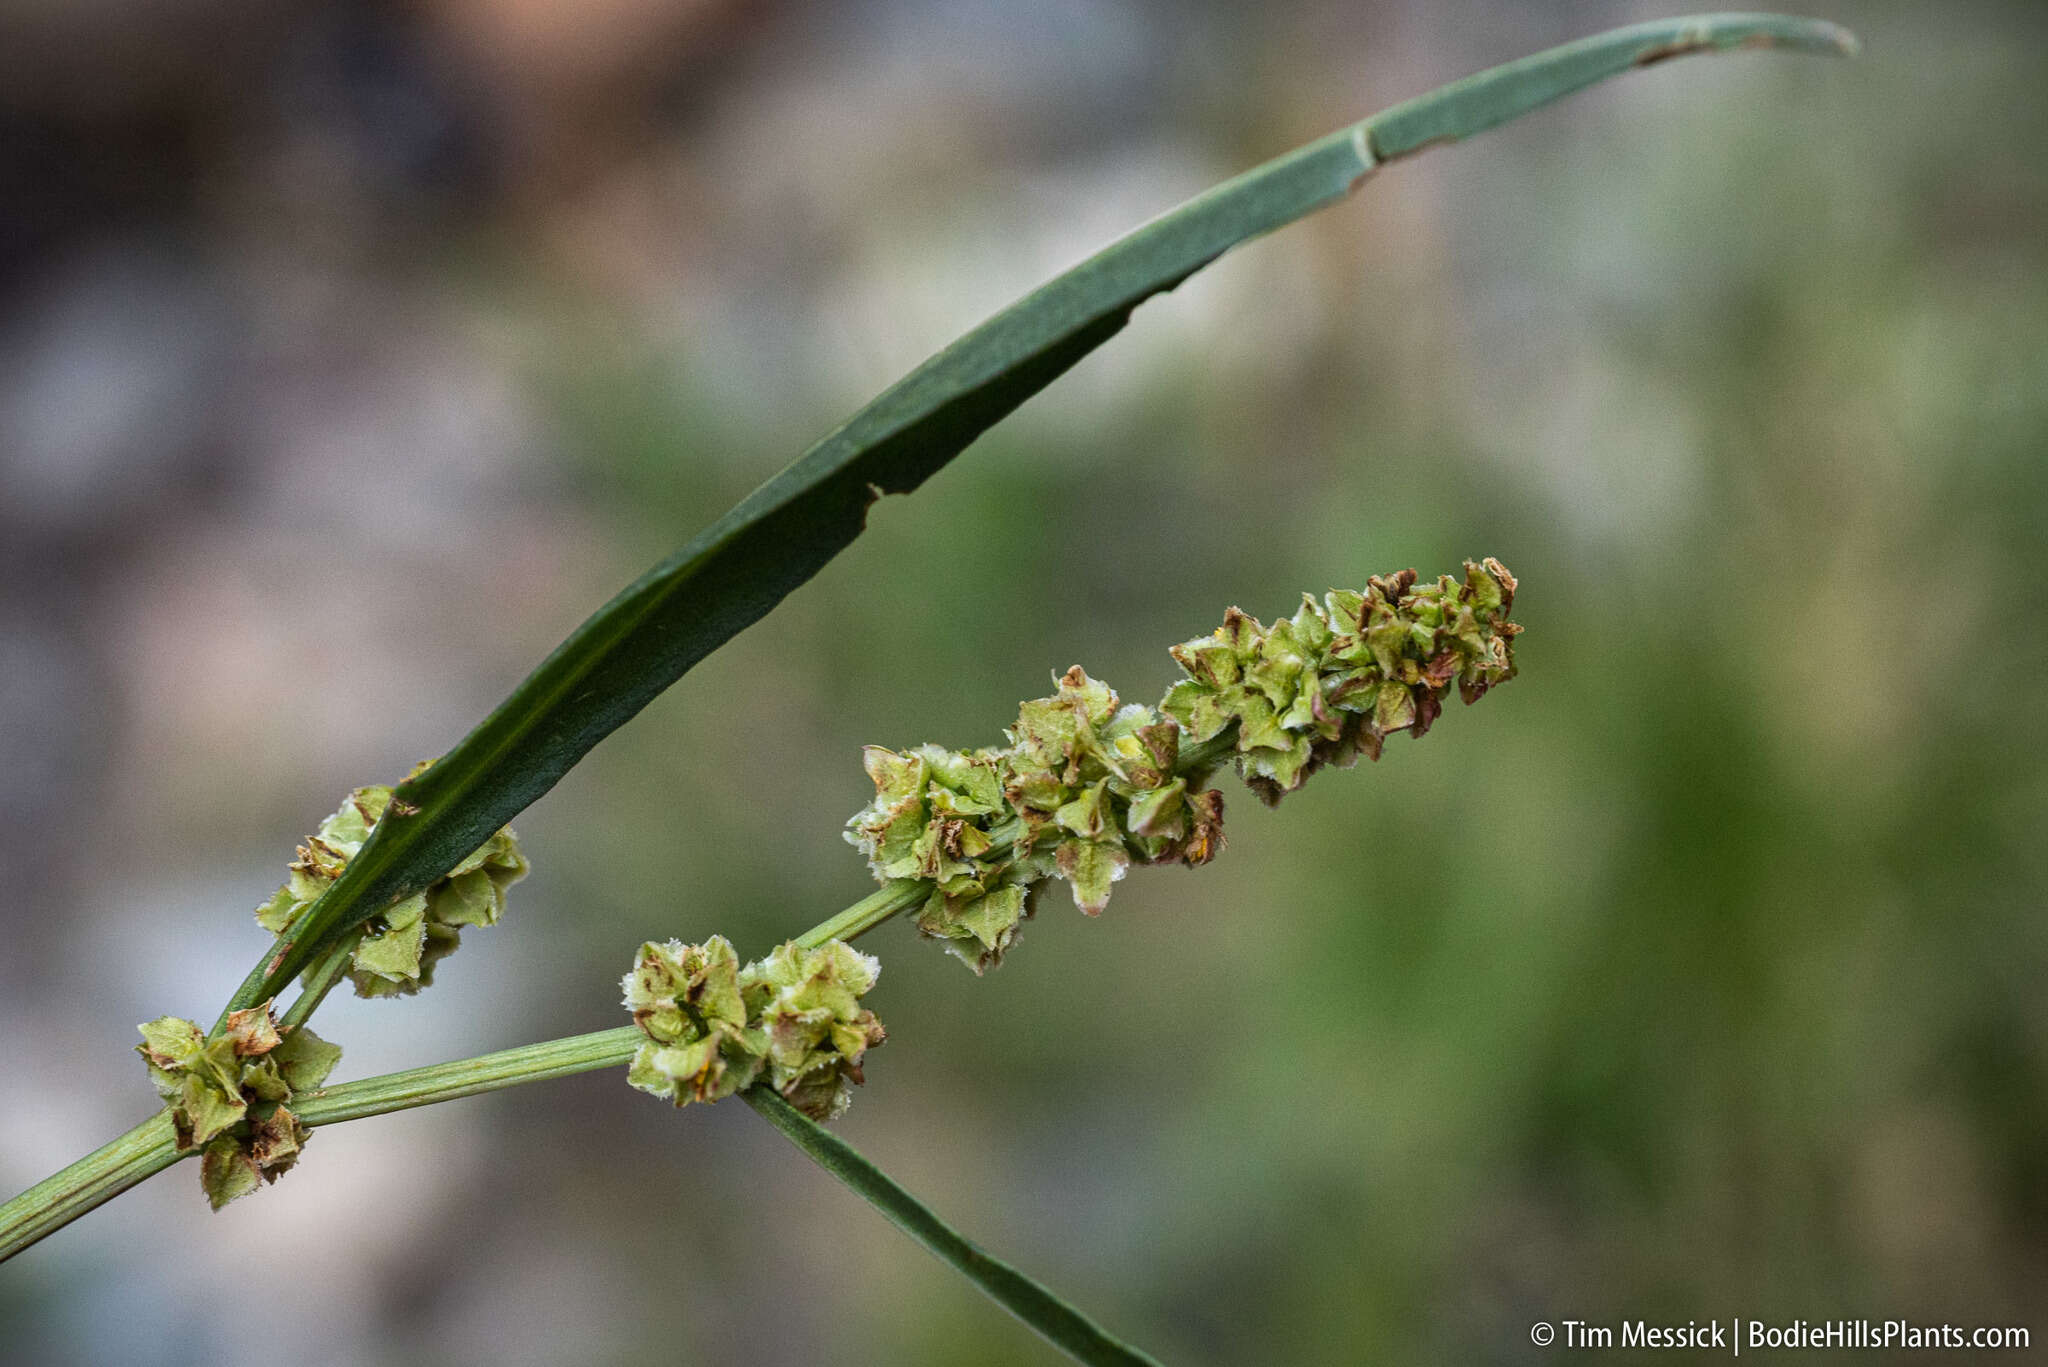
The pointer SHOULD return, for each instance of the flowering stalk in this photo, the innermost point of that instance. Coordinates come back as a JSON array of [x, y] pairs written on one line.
[[1084, 789], [792, 1021], [152, 1146]]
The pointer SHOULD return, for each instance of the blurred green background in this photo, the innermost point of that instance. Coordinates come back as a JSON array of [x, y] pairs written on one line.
[[350, 355]]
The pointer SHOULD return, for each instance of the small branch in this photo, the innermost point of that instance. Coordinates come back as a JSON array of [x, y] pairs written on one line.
[[469, 1076], [869, 912], [318, 982]]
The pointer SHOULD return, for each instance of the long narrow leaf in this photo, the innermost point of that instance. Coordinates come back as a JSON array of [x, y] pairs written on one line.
[[785, 531], [1066, 1328]]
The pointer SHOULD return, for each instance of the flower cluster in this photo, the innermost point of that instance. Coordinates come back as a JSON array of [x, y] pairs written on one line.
[[1333, 681], [1086, 788], [398, 949], [792, 1020], [229, 1094]]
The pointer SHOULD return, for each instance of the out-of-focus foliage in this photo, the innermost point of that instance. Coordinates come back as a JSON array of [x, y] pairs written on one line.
[[1695, 974]]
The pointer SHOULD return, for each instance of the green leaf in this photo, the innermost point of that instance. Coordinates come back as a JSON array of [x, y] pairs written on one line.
[[1066, 1328], [733, 572]]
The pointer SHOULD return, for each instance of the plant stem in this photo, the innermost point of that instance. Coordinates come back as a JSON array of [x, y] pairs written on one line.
[[559, 1057], [100, 1176], [318, 982], [900, 894], [468, 1077]]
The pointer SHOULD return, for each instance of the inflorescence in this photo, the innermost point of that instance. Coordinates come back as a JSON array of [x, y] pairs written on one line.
[[792, 1021], [228, 1094], [399, 947], [1086, 788]]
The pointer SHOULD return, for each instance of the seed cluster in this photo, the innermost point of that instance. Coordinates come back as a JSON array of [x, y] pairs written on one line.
[[1086, 788], [398, 948], [792, 1020], [1333, 681], [229, 1094]]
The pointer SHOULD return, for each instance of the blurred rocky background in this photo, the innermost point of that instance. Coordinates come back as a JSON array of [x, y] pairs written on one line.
[[349, 355]]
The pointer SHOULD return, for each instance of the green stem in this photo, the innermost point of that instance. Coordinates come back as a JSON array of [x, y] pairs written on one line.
[[468, 1077], [150, 1147], [318, 982], [102, 1175], [560, 1057], [1197, 761], [870, 911]]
